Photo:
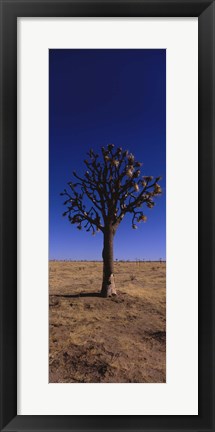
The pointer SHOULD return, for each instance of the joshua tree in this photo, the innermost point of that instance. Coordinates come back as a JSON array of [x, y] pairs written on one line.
[[111, 187]]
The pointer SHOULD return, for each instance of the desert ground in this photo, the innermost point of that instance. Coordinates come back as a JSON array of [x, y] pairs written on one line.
[[120, 339]]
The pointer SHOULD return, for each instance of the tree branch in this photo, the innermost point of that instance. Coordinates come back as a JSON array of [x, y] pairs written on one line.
[[113, 186]]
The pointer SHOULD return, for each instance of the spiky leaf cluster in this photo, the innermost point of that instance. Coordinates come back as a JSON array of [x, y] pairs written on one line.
[[111, 186]]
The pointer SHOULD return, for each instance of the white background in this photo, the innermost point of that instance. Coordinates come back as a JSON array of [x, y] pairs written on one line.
[[180, 394]]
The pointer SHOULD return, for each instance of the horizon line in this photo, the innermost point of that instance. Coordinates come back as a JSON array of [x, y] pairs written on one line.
[[101, 261]]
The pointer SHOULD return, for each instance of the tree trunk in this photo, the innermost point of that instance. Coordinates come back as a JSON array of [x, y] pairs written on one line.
[[108, 284]]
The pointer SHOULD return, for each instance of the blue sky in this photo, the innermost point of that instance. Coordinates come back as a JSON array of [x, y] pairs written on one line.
[[97, 97]]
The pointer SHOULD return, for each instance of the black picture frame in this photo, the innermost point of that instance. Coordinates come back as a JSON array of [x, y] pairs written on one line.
[[10, 11]]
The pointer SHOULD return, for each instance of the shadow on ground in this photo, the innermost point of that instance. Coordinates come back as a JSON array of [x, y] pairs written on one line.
[[93, 294]]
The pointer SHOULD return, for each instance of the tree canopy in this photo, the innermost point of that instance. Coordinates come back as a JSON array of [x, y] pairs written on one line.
[[111, 187]]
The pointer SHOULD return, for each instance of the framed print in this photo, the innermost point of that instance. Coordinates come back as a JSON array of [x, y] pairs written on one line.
[[107, 215], [79, 349]]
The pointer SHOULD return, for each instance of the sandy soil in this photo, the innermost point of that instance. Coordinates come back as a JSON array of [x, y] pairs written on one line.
[[115, 340]]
